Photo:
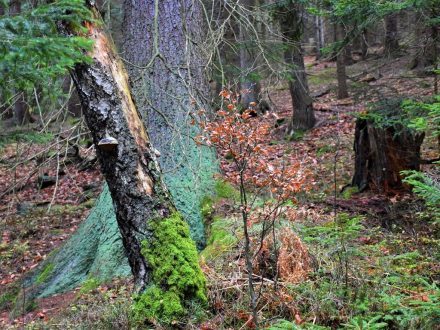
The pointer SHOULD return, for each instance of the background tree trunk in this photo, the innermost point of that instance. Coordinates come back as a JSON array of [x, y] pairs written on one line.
[[320, 34], [340, 67], [364, 44], [381, 153], [292, 26], [391, 42], [425, 45], [130, 167], [249, 86]]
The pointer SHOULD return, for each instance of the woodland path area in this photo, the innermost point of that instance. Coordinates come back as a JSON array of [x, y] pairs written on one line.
[[35, 221]]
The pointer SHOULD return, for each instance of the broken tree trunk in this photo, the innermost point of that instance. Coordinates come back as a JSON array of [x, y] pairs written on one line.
[[123, 148], [381, 152]]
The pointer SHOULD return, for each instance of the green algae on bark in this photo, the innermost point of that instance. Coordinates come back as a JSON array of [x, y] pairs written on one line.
[[94, 250]]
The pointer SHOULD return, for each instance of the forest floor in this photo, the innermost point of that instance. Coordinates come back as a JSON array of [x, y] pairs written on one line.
[[351, 258]]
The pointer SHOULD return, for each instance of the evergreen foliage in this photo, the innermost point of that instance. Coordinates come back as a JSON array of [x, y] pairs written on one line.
[[32, 52]]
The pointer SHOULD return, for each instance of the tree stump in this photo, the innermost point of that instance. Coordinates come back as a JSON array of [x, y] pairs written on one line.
[[381, 152]]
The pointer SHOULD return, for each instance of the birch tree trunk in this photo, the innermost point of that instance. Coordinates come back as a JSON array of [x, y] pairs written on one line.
[[161, 254], [123, 148]]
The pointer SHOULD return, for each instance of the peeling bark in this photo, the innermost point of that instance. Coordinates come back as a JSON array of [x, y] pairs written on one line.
[[130, 167]]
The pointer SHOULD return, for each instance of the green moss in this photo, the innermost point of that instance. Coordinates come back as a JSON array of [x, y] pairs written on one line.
[[349, 191], [224, 189], [296, 135], [44, 275], [220, 239], [324, 150], [7, 299], [26, 136], [22, 304], [206, 207], [89, 285], [323, 77], [176, 276]]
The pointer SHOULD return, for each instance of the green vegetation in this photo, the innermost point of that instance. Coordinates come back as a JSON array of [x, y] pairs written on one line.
[[372, 282], [349, 191], [426, 188], [296, 135], [26, 137], [325, 149], [206, 207], [394, 112], [35, 50], [177, 277], [220, 238], [8, 298], [89, 285], [44, 275], [224, 189], [325, 77]]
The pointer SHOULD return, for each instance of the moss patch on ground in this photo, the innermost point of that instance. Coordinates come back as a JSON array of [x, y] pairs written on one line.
[[221, 239], [224, 189]]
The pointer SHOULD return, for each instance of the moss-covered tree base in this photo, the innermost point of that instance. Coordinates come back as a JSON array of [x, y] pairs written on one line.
[[177, 278]]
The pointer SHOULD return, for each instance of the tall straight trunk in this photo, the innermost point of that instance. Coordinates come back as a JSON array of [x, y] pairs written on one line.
[[303, 115], [364, 44], [319, 31], [167, 68], [22, 115], [348, 49], [426, 43], [391, 42], [292, 26], [340, 68]]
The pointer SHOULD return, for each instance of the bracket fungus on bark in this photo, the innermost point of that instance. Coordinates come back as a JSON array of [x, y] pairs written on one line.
[[108, 143]]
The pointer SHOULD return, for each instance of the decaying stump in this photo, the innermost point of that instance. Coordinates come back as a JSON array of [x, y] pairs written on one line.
[[381, 152]]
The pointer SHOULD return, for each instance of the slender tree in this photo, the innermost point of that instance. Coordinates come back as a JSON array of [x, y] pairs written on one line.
[[290, 15], [391, 42], [341, 74]]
